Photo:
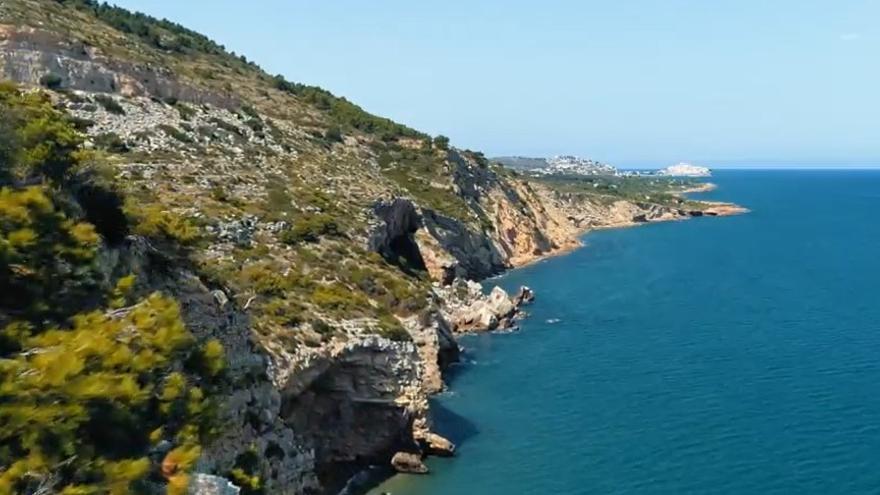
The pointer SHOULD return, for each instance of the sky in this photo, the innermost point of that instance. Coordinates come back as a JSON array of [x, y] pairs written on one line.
[[629, 82]]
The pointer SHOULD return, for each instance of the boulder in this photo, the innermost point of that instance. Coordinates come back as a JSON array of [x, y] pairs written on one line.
[[407, 462], [524, 296], [434, 444], [206, 484], [500, 304]]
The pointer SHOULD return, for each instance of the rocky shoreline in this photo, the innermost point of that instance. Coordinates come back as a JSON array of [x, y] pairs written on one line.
[[469, 309]]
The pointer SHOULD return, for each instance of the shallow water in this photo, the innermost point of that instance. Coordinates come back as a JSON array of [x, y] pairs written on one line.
[[714, 356]]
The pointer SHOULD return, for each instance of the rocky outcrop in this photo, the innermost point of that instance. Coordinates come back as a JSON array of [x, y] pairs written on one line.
[[408, 462], [355, 403], [475, 254], [28, 55], [394, 237], [433, 336], [206, 484], [252, 405], [468, 309], [434, 444]]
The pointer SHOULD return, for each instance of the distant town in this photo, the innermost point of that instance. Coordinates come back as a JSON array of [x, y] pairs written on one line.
[[573, 165]]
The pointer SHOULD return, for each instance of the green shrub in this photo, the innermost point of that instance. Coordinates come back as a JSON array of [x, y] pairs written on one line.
[[110, 104], [250, 112], [441, 142], [338, 298], [175, 133], [86, 391], [51, 81], [81, 124], [333, 134], [111, 142], [390, 328], [210, 359], [310, 228], [226, 126], [255, 125], [154, 221], [46, 260], [186, 112]]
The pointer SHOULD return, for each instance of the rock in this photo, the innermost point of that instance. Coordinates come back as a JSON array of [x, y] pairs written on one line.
[[206, 484], [220, 297], [524, 296], [239, 232], [407, 462], [435, 444], [500, 304], [394, 237]]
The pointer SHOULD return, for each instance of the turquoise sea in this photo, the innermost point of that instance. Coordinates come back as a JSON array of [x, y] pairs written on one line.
[[734, 355]]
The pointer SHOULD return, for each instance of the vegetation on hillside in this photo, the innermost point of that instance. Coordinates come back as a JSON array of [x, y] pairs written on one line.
[[162, 34], [658, 190], [87, 380]]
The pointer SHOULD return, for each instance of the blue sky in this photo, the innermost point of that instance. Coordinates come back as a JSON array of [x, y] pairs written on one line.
[[779, 82]]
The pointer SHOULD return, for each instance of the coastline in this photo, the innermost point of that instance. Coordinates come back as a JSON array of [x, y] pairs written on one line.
[[365, 482], [714, 209]]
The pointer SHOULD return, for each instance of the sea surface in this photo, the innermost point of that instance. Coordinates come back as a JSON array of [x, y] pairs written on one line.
[[735, 355]]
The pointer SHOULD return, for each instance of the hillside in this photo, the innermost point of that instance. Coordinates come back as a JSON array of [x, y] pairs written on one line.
[[210, 270]]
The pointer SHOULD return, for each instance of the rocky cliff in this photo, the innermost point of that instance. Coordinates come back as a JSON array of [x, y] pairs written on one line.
[[333, 253]]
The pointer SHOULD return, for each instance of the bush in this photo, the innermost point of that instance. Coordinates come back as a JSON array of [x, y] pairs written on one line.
[[154, 221], [391, 329], [336, 297], [86, 391], [441, 142], [256, 125], [176, 133], [310, 228], [111, 142], [37, 140], [333, 134], [226, 126], [46, 260], [110, 104], [210, 359], [51, 81], [186, 112]]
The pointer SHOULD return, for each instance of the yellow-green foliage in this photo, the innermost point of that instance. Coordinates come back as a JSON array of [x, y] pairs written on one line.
[[272, 279], [338, 299], [212, 358], [245, 473], [155, 221], [46, 259], [393, 291], [310, 228], [84, 392], [39, 140], [423, 175], [90, 392], [120, 294]]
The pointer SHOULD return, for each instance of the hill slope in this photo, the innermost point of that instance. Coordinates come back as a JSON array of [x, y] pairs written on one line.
[[318, 251]]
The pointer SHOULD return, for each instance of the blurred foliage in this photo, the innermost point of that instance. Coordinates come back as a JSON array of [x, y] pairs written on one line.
[[87, 387]]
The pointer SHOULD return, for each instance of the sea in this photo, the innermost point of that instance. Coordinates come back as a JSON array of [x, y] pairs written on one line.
[[735, 355]]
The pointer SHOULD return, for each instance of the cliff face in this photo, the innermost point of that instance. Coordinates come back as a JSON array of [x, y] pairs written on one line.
[[28, 54], [312, 252]]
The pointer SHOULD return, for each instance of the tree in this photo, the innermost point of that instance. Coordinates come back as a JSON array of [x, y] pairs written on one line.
[[46, 260], [441, 142], [87, 386], [333, 134]]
